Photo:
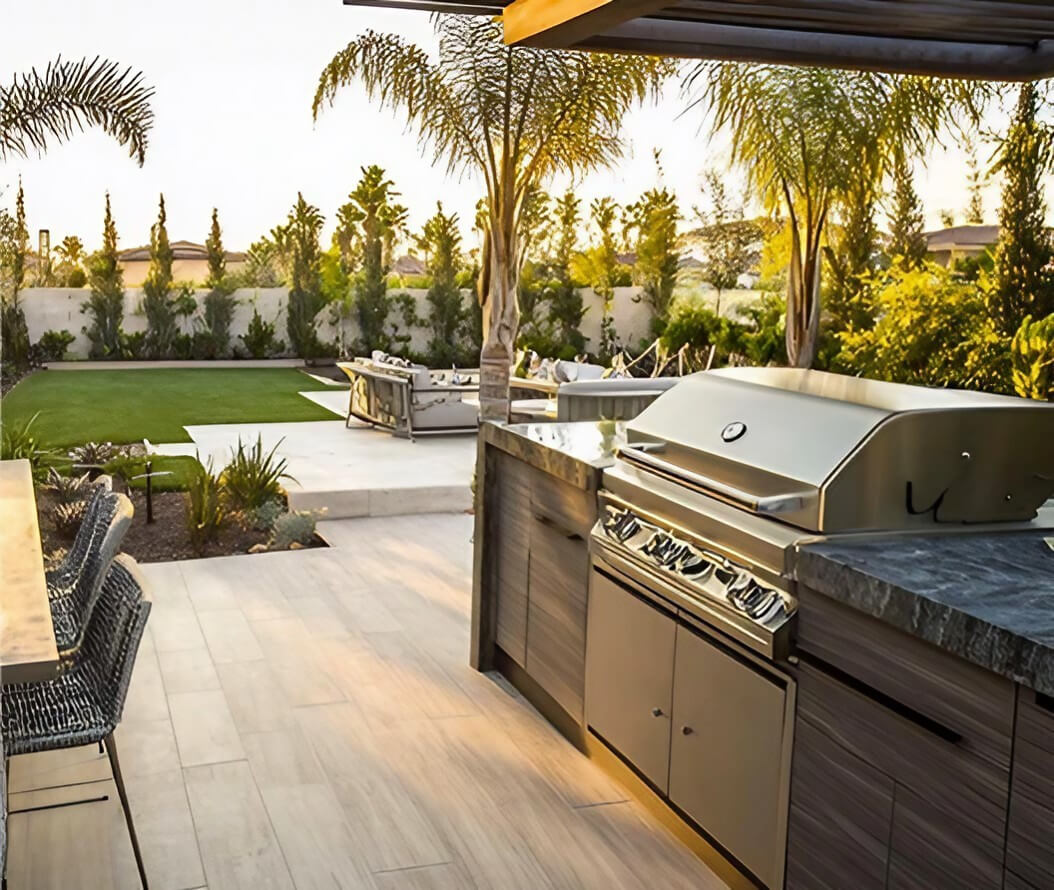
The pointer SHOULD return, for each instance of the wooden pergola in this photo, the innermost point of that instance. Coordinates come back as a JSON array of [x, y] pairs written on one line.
[[985, 39]]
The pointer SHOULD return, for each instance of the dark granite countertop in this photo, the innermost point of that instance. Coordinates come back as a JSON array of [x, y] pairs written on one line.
[[575, 452], [986, 597]]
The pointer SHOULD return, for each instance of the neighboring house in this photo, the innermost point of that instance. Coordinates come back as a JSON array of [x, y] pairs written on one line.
[[959, 242], [408, 266], [189, 263]]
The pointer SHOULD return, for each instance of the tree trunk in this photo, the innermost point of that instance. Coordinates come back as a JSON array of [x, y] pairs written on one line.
[[501, 316], [501, 310], [803, 298]]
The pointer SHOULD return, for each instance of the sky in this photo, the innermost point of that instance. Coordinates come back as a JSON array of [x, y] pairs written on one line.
[[233, 129]]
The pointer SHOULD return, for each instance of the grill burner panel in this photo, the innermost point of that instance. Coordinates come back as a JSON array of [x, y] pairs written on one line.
[[683, 569]]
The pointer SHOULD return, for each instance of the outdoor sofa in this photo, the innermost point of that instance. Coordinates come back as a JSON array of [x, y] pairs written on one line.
[[409, 399]]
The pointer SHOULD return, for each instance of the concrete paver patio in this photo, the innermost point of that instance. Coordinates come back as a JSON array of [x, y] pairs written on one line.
[[307, 719], [351, 472]]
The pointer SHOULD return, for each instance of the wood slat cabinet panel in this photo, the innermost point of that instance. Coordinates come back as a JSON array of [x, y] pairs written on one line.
[[1030, 829], [975, 703], [949, 803], [929, 849], [556, 614], [629, 677], [567, 507], [1013, 882], [840, 819], [512, 505]]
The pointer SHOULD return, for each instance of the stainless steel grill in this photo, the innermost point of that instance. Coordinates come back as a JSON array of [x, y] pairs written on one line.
[[725, 474]]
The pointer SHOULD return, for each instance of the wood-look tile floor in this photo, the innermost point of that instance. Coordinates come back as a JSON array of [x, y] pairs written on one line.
[[309, 720]]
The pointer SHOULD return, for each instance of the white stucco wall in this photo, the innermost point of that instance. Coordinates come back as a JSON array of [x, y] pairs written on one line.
[[54, 308]]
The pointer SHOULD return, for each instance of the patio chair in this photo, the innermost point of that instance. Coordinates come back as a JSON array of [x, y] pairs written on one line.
[[74, 586], [71, 564], [83, 704]]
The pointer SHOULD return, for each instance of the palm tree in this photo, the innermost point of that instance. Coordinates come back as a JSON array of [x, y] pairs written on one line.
[[806, 136], [36, 108], [515, 115]]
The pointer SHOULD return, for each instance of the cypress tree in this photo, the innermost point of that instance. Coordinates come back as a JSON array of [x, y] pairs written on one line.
[[1022, 284], [215, 254], [219, 304], [907, 244], [162, 325], [106, 303], [14, 335]]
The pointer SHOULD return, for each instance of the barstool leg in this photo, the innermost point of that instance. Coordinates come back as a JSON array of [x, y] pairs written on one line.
[[115, 767]]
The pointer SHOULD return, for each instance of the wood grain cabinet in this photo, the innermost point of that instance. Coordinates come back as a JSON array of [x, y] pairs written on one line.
[[539, 574], [1030, 829], [558, 580], [512, 528], [901, 769]]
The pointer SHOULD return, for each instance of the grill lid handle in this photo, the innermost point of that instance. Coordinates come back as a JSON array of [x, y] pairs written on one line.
[[767, 504]]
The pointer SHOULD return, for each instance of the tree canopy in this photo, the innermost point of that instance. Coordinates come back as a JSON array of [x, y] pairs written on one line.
[[516, 116], [69, 96]]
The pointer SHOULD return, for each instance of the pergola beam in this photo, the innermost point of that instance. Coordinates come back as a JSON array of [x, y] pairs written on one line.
[[697, 40], [564, 23]]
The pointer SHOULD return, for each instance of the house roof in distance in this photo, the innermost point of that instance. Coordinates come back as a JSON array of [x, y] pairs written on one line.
[[962, 237], [181, 250], [986, 39], [408, 265]]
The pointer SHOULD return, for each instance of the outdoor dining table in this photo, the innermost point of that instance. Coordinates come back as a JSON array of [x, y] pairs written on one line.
[[28, 651]]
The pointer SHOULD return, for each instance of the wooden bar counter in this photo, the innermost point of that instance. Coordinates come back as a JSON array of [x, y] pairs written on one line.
[[28, 651]]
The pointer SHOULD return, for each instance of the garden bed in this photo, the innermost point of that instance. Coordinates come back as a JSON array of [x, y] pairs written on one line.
[[166, 538]]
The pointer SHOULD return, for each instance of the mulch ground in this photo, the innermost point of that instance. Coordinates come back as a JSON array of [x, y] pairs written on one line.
[[165, 538]]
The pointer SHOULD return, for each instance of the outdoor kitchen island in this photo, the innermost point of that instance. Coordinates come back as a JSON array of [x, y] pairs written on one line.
[[902, 735]]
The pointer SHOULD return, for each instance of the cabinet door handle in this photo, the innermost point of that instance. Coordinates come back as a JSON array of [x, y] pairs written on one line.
[[656, 712], [686, 730]]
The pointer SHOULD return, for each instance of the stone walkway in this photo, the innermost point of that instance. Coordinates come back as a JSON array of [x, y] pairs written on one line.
[[308, 720]]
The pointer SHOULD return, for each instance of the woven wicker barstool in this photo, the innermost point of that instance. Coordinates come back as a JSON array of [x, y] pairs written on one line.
[[83, 704], [74, 586]]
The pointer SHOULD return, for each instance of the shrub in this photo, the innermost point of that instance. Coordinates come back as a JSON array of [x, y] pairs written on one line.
[[95, 455], [932, 330], [14, 335], [205, 512], [132, 346], [19, 442], [67, 518], [295, 527], [263, 518], [67, 489], [52, 345], [259, 337], [218, 313], [252, 478], [1032, 358]]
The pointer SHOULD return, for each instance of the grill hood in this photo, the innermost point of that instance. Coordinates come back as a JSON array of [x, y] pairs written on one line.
[[830, 453]]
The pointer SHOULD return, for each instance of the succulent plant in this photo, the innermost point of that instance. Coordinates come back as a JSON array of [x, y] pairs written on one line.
[[263, 518], [67, 517], [297, 526], [67, 489], [94, 454]]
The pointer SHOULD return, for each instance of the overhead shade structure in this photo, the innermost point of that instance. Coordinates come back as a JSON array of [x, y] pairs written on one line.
[[985, 39]]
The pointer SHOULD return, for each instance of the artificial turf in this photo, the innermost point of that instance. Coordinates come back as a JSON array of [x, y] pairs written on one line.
[[128, 406]]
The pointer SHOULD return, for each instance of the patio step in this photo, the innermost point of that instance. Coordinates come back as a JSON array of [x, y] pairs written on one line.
[[351, 504]]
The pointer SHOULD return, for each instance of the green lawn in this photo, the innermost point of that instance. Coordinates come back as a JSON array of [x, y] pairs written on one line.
[[128, 406]]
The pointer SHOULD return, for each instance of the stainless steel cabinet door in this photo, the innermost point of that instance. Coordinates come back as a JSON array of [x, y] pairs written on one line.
[[629, 676], [726, 763]]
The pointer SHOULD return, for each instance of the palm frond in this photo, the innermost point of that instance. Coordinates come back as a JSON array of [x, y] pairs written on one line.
[[70, 97]]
